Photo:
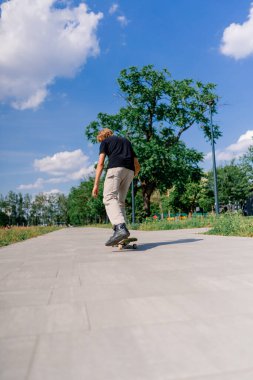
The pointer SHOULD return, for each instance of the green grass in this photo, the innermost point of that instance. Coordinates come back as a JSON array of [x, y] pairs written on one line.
[[232, 225], [157, 225], [229, 224], [16, 234], [174, 224]]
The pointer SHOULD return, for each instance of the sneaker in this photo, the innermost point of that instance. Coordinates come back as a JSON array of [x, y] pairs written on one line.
[[120, 233]]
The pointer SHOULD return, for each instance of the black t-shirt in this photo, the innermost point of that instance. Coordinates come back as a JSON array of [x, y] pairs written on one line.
[[119, 151]]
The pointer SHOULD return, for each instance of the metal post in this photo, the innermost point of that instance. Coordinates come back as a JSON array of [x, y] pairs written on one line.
[[133, 205], [214, 162]]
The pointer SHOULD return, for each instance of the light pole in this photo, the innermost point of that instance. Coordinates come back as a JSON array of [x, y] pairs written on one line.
[[132, 189], [133, 203], [210, 103]]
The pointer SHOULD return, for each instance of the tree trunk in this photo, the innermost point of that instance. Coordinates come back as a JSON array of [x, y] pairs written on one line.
[[147, 190]]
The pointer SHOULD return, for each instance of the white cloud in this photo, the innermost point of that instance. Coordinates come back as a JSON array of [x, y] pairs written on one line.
[[36, 185], [63, 166], [33, 102], [122, 20], [242, 143], [234, 150], [38, 43], [53, 191], [61, 162], [237, 40], [82, 173], [113, 8]]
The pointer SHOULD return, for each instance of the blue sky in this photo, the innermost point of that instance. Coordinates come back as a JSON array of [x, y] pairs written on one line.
[[59, 62]]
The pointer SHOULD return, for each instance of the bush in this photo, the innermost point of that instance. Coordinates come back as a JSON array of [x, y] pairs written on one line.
[[232, 224], [174, 223]]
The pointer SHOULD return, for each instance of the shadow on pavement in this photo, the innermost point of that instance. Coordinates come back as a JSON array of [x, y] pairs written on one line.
[[145, 247]]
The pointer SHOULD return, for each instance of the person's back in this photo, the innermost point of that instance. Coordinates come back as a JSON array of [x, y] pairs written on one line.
[[119, 151]]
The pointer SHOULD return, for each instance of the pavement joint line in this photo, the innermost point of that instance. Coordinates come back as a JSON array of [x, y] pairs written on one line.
[[85, 308], [31, 361], [50, 295]]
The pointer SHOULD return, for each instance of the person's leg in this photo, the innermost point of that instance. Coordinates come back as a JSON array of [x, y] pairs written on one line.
[[127, 178], [115, 189], [111, 196]]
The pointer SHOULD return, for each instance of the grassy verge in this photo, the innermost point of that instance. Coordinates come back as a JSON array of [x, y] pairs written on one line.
[[16, 234], [229, 224], [157, 225], [232, 225]]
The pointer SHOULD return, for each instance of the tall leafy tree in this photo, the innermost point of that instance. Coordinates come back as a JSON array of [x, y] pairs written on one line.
[[157, 111], [246, 163], [82, 208], [12, 206], [234, 185], [27, 203]]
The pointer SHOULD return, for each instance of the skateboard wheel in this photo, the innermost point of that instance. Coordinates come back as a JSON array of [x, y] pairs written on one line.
[[120, 247]]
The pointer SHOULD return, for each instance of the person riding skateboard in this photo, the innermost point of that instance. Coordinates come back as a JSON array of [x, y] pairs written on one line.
[[122, 167]]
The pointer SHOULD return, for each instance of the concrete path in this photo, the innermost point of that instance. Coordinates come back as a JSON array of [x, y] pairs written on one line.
[[180, 307]]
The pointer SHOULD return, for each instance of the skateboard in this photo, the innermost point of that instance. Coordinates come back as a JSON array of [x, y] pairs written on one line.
[[124, 244]]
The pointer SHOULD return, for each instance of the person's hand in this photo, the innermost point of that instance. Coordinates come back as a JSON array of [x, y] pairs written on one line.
[[95, 191]]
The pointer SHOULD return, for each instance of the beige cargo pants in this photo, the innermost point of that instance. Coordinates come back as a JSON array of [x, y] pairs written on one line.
[[117, 183]]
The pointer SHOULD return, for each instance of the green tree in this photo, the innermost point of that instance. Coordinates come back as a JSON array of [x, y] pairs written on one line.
[[246, 163], [27, 204], [11, 207], [82, 208], [234, 185], [157, 111], [62, 209], [37, 209], [21, 220], [4, 219], [192, 195], [187, 200]]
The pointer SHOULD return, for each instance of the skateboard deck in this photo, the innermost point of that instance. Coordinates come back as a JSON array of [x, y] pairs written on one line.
[[124, 244]]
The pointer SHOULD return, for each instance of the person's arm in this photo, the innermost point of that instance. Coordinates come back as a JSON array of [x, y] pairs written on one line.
[[100, 167], [137, 167]]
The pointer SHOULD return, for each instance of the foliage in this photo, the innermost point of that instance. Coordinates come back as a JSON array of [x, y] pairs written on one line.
[[186, 197], [16, 234], [233, 184], [4, 219], [46, 209], [177, 223], [157, 111], [228, 224], [82, 208], [246, 164]]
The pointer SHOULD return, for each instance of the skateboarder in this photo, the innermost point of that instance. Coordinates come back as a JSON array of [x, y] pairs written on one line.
[[122, 167]]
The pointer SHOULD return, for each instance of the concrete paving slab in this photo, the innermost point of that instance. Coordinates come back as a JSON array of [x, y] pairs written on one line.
[[13, 282], [9, 299], [48, 319], [235, 375], [16, 356], [132, 311], [178, 308]]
